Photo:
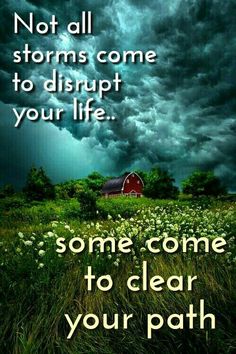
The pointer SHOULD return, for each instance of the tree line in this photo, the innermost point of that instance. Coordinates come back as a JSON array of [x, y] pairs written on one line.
[[158, 184]]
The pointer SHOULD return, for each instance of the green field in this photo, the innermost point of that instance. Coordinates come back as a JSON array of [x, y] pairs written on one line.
[[39, 285]]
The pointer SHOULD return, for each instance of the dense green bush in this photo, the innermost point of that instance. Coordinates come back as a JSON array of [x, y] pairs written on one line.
[[95, 182], [203, 183], [69, 189], [7, 191], [14, 202], [38, 185], [71, 210], [159, 184], [88, 206], [125, 206]]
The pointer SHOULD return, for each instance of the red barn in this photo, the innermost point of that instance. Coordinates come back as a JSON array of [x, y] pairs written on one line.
[[130, 184]]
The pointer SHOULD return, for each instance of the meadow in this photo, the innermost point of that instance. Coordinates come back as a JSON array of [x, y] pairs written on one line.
[[39, 285]]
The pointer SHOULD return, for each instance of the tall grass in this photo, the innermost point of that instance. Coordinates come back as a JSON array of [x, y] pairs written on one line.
[[33, 300]]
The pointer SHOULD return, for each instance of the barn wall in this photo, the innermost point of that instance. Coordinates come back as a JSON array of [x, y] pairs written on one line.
[[133, 183]]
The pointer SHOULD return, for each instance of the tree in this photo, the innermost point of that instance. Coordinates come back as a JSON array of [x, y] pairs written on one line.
[[203, 183], [7, 191], [95, 181], [88, 205], [69, 189], [38, 185], [159, 184]]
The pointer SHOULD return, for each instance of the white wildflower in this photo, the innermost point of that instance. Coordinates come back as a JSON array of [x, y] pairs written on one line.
[[41, 253]]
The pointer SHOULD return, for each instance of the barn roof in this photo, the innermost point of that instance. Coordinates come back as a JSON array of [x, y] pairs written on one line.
[[114, 184]]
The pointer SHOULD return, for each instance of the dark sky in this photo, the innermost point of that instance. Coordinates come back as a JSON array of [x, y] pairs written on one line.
[[178, 113]]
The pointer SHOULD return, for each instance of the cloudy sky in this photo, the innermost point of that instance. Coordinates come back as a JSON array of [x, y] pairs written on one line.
[[179, 113]]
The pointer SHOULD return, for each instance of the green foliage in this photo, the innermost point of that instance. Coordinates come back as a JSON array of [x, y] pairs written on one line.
[[7, 191], [38, 185], [203, 183], [159, 184], [125, 206], [95, 181], [16, 211], [14, 202], [50, 285], [71, 210], [88, 205], [69, 189]]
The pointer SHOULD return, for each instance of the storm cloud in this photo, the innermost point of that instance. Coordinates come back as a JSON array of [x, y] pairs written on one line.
[[178, 113]]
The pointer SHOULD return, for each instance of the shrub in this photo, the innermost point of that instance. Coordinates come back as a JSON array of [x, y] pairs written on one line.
[[14, 202], [88, 205], [7, 190], [38, 185], [69, 189], [95, 182], [71, 210], [159, 184], [202, 183]]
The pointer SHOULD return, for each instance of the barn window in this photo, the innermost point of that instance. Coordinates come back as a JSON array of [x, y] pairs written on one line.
[[127, 180], [132, 175], [138, 182]]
